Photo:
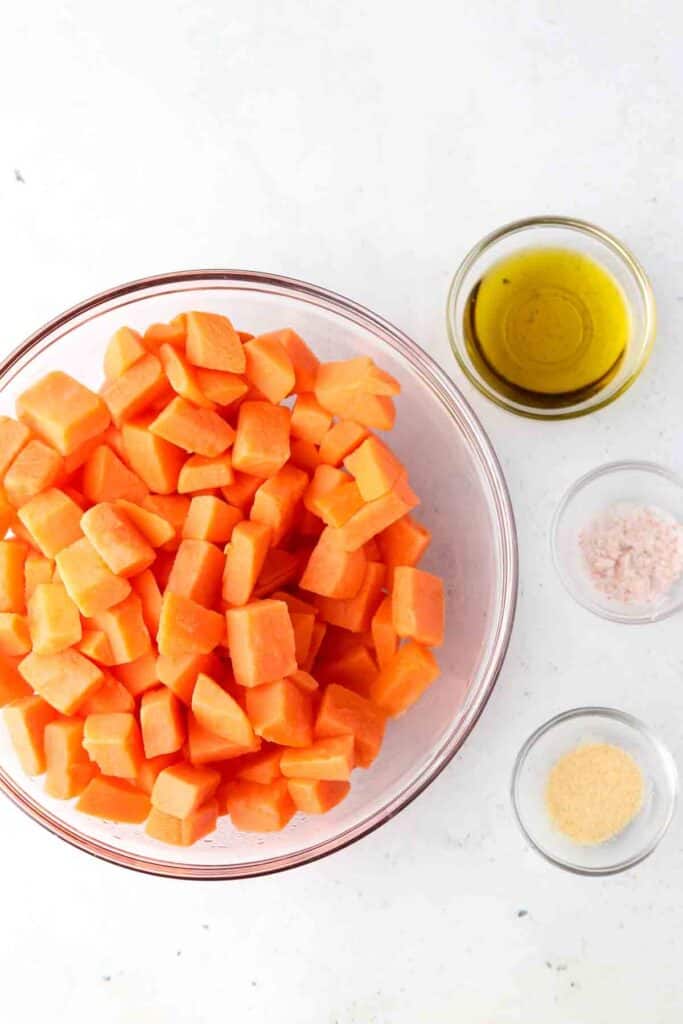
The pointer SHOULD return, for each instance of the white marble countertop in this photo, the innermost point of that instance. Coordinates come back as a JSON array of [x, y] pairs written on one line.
[[364, 148]]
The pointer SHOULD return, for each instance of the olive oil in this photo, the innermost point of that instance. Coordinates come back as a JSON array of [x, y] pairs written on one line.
[[548, 327]]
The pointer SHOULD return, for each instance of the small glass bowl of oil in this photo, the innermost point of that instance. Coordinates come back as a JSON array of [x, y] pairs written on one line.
[[551, 317]]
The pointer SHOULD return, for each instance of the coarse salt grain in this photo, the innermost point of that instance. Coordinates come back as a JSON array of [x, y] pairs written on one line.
[[634, 553]]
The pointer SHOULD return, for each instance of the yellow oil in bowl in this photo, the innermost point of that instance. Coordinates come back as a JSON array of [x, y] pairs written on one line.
[[547, 325]]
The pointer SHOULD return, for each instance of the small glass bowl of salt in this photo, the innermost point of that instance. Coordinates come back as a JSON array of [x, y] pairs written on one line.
[[617, 542]]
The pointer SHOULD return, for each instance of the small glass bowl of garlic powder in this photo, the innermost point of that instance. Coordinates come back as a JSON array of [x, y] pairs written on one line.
[[617, 542], [594, 790]]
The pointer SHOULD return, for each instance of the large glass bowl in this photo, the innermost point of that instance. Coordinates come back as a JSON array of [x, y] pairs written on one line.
[[464, 501]]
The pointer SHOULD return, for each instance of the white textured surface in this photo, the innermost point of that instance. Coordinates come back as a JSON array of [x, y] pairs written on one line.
[[365, 149]]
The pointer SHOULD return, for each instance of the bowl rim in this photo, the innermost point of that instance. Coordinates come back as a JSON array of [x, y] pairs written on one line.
[[584, 481], [450, 396], [582, 227], [623, 717]]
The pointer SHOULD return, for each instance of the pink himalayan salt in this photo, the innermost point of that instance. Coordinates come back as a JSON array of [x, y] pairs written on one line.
[[634, 553]]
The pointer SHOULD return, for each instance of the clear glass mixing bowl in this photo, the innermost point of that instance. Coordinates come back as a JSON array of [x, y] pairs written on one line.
[[464, 501]]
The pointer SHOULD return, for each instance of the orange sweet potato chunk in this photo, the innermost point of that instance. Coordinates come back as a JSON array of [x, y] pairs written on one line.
[[12, 685], [376, 516], [182, 788], [37, 569], [135, 390], [95, 646], [89, 583], [12, 560], [200, 431], [125, 347], [121, 547], [201, 474], [338, 505], [276, 501], [53, 519], [63, 412], [330, 759], [343, 713], [244, 559], [254, 807], [269, 368], [261, 642], [180, 672], [403, 543], [186, 627], [181, 376], [111, 696], [355, 668], [219, 387], [36, 467], [418, 605], [281, 712], [375, 468], [53, 619], [140, 675], [65, 680], [26, 719], [213, 343], [317, 796], [147, 589], [333, 572], [210, 518], [172, 333], [355, 613], [69, 769], [13, 437], [340, 440], [384, 636], [155, 529], [15, 639], [113, 742], [156, 462], [310, 422], [404, 679], [262, 441], [162, 722], [125, 629], [183, 831], [106, 478], [206, 747], [197, 572], [216, 710], [114, 800]]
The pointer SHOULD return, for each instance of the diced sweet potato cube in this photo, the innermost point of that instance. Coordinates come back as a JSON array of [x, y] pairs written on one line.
[[89, 583], [121, 547], [182, 788], [404, 679], [63, 412], [53, 619], [261, 642], [114, 800], [36, 467], [65, 680], [26, 719], [418, 605], [113, 743], [213, 343], [262, 441], [53, 519]]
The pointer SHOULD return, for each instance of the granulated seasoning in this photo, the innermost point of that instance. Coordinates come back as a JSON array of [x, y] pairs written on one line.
[[593, 792], [633, 553]]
